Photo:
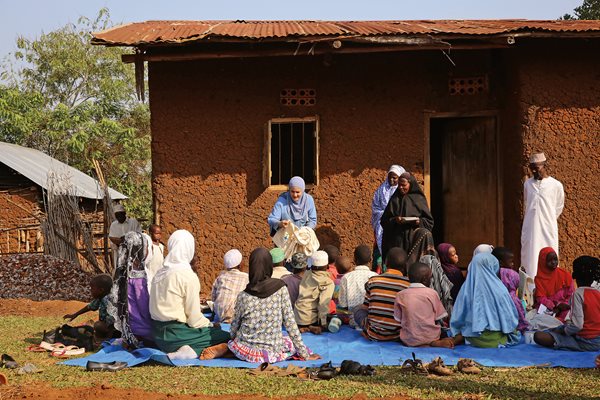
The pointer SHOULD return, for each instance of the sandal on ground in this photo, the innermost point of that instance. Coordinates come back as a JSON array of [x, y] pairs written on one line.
[[350, 367], [68, 351], [468, 366], [8, 362], [414, 366], [3, 380], [327, 371], [438, 367], [29, 368]]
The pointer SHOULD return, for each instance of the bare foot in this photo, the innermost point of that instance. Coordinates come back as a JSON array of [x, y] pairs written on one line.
[[216, 351], [315, 330], [448, 343], [303, 330]]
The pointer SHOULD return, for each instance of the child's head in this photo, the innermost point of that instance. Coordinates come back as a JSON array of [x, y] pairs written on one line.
[[586, 270], [548, 259], [420, 273], [343, 265], [362, 255], [332, 253], [278, 256], [319, 261], [155, 233], [100, 285], [448, 253], [232, 259], [396, 259], [299, 262], [505, 257]]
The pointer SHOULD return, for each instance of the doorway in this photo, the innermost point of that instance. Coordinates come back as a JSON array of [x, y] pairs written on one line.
[[464, 183]]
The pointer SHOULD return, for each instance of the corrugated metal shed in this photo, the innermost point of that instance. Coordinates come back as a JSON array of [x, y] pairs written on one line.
[[36, 165], [164, 32]]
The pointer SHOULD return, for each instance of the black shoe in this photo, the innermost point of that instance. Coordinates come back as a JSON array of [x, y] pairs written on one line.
[[8, 362], [327, 371], [350, 367], [111, 366]]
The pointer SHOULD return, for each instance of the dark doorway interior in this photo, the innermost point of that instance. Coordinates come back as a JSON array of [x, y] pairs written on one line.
[[464, 182]]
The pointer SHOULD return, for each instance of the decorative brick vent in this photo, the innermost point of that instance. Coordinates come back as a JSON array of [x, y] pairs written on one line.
[[467, 86], [298, 97]]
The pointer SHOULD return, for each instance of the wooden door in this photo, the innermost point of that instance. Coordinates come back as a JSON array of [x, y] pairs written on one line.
[[469, 180]]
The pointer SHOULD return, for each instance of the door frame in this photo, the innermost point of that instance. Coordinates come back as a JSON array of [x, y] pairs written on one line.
[[428, 116]]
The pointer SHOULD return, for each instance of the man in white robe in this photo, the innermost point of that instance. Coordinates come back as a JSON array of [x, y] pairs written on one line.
[[544, 200]]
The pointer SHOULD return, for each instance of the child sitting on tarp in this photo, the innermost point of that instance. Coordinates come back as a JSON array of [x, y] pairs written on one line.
[[279, 269], [553, 285], [343, 265], [582, 332], [100, 286], [314, 295], [510, 278], [418, 309], [352, 285], [227, 286], [299, 263]]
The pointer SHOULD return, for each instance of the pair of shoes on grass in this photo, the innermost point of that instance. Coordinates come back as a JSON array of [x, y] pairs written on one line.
[[437, 366], [348, 367]]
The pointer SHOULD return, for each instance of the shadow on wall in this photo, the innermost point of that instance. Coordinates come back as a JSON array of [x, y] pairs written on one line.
[[327, 235]]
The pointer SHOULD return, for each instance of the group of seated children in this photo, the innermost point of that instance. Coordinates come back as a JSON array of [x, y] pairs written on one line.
[[319, 293]]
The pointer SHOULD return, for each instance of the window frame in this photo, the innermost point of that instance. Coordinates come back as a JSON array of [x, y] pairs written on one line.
[[267, 170]]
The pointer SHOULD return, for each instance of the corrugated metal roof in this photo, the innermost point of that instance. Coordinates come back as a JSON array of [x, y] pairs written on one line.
[[36, 166], [159, 32]]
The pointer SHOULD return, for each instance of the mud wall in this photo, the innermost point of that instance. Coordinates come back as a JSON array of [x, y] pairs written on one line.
[[559, 114], [18, 225], [208, 124]]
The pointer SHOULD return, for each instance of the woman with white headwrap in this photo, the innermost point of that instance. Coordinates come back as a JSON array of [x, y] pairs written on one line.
[[381, 199], [294, 206], [178, 326]]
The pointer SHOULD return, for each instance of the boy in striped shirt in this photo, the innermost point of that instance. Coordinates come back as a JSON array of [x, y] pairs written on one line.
[[376, 316]]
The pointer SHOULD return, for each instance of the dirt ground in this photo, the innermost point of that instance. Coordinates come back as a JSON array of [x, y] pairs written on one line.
[[105, 392], [30, 308]]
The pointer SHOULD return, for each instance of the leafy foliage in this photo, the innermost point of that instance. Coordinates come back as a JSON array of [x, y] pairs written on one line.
[[76, 103], [590, 9]]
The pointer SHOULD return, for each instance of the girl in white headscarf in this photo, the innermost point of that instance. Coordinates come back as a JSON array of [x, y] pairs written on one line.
[[381, 198], [178, 326]]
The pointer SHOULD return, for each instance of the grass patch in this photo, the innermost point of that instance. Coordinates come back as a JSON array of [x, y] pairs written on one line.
[[17, 333]]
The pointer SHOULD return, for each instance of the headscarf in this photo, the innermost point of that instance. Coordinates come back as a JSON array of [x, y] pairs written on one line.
[[260, 283], [181, 247], [381, 199], [483, 302], [548, 282], [483, 248], [453, 273], [298, 210], [133, 253], [412, 204], [440, 282]]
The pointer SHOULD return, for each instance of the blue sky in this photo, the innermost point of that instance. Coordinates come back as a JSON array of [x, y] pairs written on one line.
[[29, 18]]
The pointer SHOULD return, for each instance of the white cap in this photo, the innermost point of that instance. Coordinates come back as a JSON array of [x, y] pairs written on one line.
[[537, 158], [232, 258], [118, 208], [320, 259]]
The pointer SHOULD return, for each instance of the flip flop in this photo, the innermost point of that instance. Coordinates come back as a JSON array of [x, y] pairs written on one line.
[[68, 351], [29, 368], [36, 348], [3, 380]]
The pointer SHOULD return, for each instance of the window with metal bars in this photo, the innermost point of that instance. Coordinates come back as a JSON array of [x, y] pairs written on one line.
[[292, 150]]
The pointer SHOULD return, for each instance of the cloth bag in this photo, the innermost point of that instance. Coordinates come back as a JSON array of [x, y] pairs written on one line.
[[296, 240]]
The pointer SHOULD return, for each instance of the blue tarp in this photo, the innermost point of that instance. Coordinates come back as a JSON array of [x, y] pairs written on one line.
[[349, 344]]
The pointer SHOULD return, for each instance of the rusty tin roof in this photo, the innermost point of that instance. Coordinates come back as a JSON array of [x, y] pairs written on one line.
[[174, 32]]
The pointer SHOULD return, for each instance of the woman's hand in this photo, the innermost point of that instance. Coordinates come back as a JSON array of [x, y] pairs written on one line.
[[284, 223]]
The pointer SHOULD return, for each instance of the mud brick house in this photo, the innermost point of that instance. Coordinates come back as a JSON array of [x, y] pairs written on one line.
[[23, 184], [240, 106]]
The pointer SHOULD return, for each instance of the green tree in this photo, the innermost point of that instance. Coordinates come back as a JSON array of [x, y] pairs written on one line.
[[590, 9], [76, 102]]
